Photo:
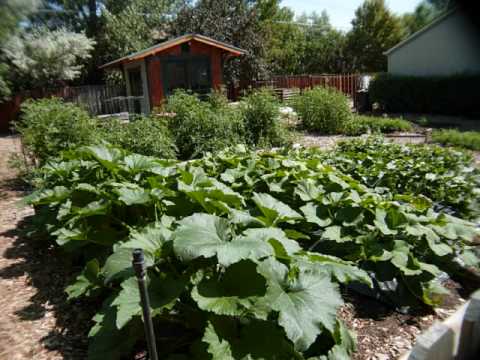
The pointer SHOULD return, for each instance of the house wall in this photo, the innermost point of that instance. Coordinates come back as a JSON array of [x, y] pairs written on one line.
[[154, 68], [452, 46]]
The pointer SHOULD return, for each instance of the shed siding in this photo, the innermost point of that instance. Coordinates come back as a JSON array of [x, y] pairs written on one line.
[[154, 65], [450, 47]]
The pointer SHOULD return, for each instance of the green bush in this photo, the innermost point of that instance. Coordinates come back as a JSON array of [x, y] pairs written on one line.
[[359, 125], [325, 110], [143, 135], [48, 126], [261, 116], [202, 126], [468, 139], [452, 95]]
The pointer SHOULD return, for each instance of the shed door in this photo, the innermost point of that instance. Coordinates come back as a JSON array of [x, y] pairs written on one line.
[[187, 73]]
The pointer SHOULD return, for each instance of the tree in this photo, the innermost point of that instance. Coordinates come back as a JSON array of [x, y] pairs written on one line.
[[238, 22], [11, 13], [286, 44], [138, 25], [42, 57], [324, 46], [424, 14], [374, 30]]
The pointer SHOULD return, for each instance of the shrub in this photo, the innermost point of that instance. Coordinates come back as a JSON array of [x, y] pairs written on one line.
[[48, 126], [143, 135], [325, 110], [202, 126], [261, 116], [359, 125], [468, 139], [452, 95]]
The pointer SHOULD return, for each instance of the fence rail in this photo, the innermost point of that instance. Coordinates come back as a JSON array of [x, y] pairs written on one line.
[[347, 83]]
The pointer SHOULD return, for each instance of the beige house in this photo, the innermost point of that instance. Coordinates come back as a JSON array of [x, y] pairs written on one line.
[[449, 45]]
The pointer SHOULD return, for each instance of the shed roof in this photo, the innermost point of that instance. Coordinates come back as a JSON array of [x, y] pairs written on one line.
[[421, 31], [174, 42]]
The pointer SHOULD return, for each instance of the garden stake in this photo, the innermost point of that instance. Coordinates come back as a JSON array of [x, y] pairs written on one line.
[[138, 263]]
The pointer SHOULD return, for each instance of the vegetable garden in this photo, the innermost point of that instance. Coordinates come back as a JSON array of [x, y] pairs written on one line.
[[248, 251]]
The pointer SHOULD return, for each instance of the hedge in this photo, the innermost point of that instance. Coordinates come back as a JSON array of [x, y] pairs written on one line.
[[452, 95]]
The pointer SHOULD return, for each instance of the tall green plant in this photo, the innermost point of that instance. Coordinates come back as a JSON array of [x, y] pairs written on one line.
[[324, 110]]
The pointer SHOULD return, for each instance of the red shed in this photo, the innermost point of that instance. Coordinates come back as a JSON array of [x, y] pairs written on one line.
[[192, 61]]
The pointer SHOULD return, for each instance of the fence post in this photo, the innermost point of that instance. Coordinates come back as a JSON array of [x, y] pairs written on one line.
[[138, 264]]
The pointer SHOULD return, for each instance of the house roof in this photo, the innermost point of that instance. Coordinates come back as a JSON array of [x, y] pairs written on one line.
[[415, 35], [174, 42]]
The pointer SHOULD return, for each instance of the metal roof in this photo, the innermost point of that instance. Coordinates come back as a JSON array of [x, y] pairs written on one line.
[[174, 42], [421, 31]]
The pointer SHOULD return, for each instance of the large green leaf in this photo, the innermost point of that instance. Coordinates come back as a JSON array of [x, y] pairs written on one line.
[[306, 303], [274, 210], [119, 264], [208, 236]]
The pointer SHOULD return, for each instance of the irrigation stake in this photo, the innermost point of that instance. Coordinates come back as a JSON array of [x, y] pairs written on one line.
[[138, 264]]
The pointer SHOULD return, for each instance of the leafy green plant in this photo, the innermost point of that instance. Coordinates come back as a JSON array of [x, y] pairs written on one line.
[[143, 135], [462, 139], [48, 126], [261, 115], [239, 244], [324, 110], [202, 126], [359, 125], [445, 176]]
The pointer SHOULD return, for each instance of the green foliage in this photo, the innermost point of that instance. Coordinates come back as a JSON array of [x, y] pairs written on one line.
[[445, 176], [225, 240], [42, 57], [201, 126], [143, 135], [359, 125], [260, 113], [374, 30], [424, 13], [325, 110], [450, 137], [128, 30], [455, 95], [48, 126]]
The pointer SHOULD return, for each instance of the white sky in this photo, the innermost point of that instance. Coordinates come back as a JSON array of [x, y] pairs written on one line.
[[341, 12]]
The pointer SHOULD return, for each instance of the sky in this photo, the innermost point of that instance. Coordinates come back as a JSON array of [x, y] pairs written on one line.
[[341, 12]]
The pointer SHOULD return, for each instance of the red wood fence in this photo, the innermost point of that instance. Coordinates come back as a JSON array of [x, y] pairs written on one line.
[[346, 83]]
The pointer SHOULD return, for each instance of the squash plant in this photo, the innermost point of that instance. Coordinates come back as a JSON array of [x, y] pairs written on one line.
[[246, 250]]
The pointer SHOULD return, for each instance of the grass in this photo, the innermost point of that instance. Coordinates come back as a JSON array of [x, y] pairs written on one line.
[[467, 139], [360, 124]]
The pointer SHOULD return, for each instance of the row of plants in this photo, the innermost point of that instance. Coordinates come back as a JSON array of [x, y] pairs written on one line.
[[49, 126], [246, 250], [462, 139], [327, 111]]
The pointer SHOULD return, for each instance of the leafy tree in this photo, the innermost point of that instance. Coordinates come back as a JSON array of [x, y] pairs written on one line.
[[239, 22], [138, 25], [375, 30], [42, 57], [324, 46], [286, 45], [11, 13], [424, 13]]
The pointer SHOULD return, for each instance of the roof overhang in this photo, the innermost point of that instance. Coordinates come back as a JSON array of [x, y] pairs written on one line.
[[421, 31], [231, 50]]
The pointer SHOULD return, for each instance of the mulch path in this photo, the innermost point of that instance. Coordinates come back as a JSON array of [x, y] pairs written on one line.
[[36, 321]]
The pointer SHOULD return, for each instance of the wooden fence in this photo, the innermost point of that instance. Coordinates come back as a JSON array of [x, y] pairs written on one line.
[[96, 99], [347, 83]]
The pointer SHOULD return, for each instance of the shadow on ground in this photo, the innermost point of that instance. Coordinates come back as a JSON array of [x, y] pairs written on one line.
[[48, 273]]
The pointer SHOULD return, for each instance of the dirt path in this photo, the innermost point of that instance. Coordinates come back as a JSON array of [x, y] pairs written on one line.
[[34, 322]]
